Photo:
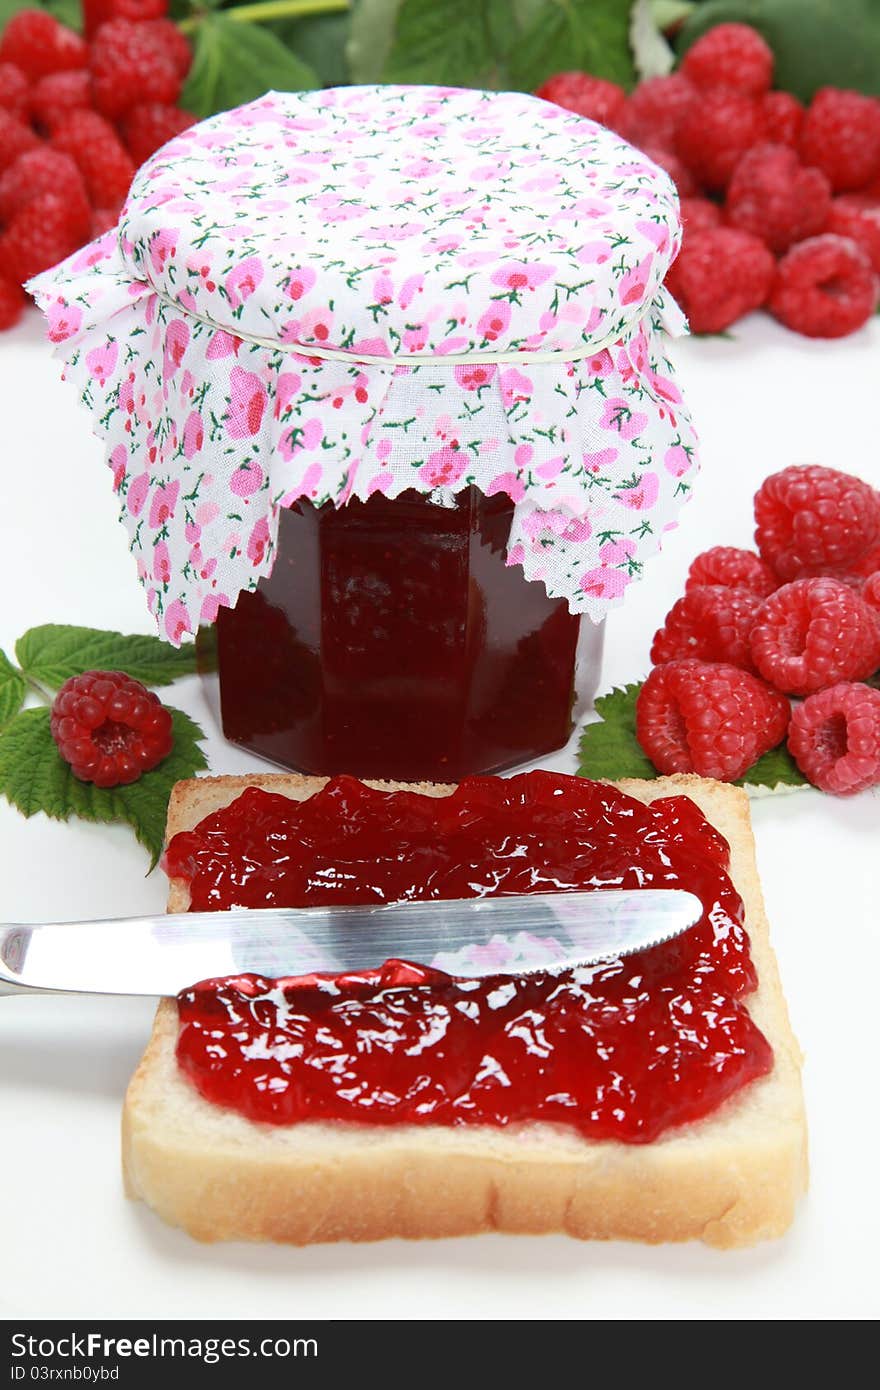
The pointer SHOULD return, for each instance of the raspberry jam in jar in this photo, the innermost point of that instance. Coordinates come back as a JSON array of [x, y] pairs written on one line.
[[396, 423], [392, 640], [622, 1050]]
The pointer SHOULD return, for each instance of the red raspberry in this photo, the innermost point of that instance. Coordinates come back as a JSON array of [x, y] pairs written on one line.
[[14, 91], [174, 45], [47, 230], [868, 563], [866, 198], [851, 217], [732, 568], [730, 55], [138, 10], [715, 133], [871, 591], [710, 623], [95, 13], [773, 196], [841, 136], [146, 128], [812, 633], [699, 214], [15, 139], [110, 728], [713, 720], [37, 43], [678, 171], [857, 574], [588, 96], [655, 109], [99, 154], [720, 275], [869, 195], [55, 96], [98, 12], [130, 66], [783, 118], [809, 518], [834, 737], [12, 301], [44, 171], [825, 287], [102, 220]]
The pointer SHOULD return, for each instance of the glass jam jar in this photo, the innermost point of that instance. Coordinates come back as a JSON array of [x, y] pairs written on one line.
[[392, 640]]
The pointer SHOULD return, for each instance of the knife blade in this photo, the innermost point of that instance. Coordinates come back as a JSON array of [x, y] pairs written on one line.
[[518, 935]]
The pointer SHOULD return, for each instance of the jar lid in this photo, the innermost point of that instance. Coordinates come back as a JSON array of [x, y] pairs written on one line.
[[328, 294]]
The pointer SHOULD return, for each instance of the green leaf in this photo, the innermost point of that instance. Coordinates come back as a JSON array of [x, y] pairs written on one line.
[[10, 7], [824, 43], [53, 652], [609, 748], [233, 63], [461, 43], [591, 35], [34, 777], [69, 12], [319, 41], [32, 774], [776, 768], [370, 37], [145, 802], [12, 690], [524, 11]]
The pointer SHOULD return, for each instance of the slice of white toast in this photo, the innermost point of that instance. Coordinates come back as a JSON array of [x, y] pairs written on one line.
[[731, 1179]]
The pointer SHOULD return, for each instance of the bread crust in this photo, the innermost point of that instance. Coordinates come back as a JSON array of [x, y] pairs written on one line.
[[729, 1180]]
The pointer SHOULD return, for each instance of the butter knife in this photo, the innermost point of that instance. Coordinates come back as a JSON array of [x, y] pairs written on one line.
[[514, 935]]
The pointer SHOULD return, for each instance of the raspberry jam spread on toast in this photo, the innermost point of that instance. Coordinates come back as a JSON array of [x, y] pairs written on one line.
[[623, 1050]]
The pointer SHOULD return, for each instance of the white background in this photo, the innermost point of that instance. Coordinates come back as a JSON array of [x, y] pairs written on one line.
[[72, 1246]]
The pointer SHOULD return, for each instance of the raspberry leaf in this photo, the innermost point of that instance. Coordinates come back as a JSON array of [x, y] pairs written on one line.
[[233, 63], [51, 653], [12, 690], [68, 12], [320, 41], [145, 802], [589, 35], [609, 748], [774, 769], [33, 777], [462, 42]]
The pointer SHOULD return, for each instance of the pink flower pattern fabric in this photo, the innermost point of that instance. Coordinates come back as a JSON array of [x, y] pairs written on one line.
[[324, 295]]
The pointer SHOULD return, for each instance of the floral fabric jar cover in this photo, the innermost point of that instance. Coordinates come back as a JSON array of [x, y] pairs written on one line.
[[331, 294]]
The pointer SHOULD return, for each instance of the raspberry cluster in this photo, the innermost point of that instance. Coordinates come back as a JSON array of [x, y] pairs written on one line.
[[780, 204], [78, 115], [110, 728], [799, 618]]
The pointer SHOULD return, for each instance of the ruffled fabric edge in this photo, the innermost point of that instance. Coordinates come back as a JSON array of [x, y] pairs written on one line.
[[591, 442]]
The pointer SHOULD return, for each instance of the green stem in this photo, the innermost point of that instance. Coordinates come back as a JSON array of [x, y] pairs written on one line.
[[267, 9]]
